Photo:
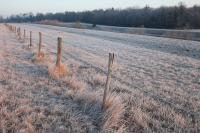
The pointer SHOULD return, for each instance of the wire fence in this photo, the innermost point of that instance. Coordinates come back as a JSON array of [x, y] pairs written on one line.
[[48, 41]]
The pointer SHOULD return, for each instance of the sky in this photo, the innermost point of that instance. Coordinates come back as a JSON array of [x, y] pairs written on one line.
[[8, 7]]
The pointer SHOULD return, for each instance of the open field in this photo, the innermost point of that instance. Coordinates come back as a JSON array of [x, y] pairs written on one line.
[[155, 83], [186, 34]]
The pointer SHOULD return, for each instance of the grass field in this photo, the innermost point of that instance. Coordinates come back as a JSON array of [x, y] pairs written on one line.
[[155, 84], [186, 34]]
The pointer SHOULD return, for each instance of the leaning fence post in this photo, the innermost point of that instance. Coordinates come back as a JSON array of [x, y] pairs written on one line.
[[106, 91], [59, 52], [30, 38]]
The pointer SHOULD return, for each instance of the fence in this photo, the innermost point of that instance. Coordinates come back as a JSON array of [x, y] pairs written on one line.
[[58, 67]]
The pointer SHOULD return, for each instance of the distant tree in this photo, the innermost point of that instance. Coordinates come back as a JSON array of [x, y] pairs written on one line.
[[94, 25], [1, 19], [39, 17]]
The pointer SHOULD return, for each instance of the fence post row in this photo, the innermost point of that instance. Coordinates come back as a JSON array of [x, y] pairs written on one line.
[[59, 60], [106, 91]]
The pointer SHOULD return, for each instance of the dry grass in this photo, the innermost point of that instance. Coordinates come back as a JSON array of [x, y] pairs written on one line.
[[12, 113], [77, 85], [39, 57], [56, 90], [98, 79], [157, 93], [139, 117], [58, 71], [115, 109], [111, 117], [42, 59]]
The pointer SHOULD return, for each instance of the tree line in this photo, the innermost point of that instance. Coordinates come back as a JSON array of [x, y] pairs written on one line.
[[1, 19], [175, 17]]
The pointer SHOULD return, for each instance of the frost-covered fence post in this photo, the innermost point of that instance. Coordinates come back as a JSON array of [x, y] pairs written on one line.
[[106, 91], [60, 70], [24, 35], [59, 52], [40, 43], [17, 32], [30, 38], [15, 29], [20, 34]]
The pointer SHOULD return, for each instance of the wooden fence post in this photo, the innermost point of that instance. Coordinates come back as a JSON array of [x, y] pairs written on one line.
[[106, 91], [59, 52], [40, 43], [30, 38], [60, 70], [24, 35], [18, 32], [20, 37]]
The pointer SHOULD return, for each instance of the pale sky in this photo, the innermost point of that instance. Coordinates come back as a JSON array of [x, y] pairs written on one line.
[[8, 7]]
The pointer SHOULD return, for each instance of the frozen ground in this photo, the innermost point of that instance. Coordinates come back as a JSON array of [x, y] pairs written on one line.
[[186, 34], [157, 78]]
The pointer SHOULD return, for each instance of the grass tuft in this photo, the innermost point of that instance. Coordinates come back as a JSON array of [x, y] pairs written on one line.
[[77, 85], [58, 71], [40, 57], [115, 109]]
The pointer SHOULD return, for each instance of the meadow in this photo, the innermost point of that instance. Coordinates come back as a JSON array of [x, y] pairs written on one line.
[[155, 84]]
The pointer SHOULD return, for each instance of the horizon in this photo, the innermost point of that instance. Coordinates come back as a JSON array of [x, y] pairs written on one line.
[[7, 9]]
